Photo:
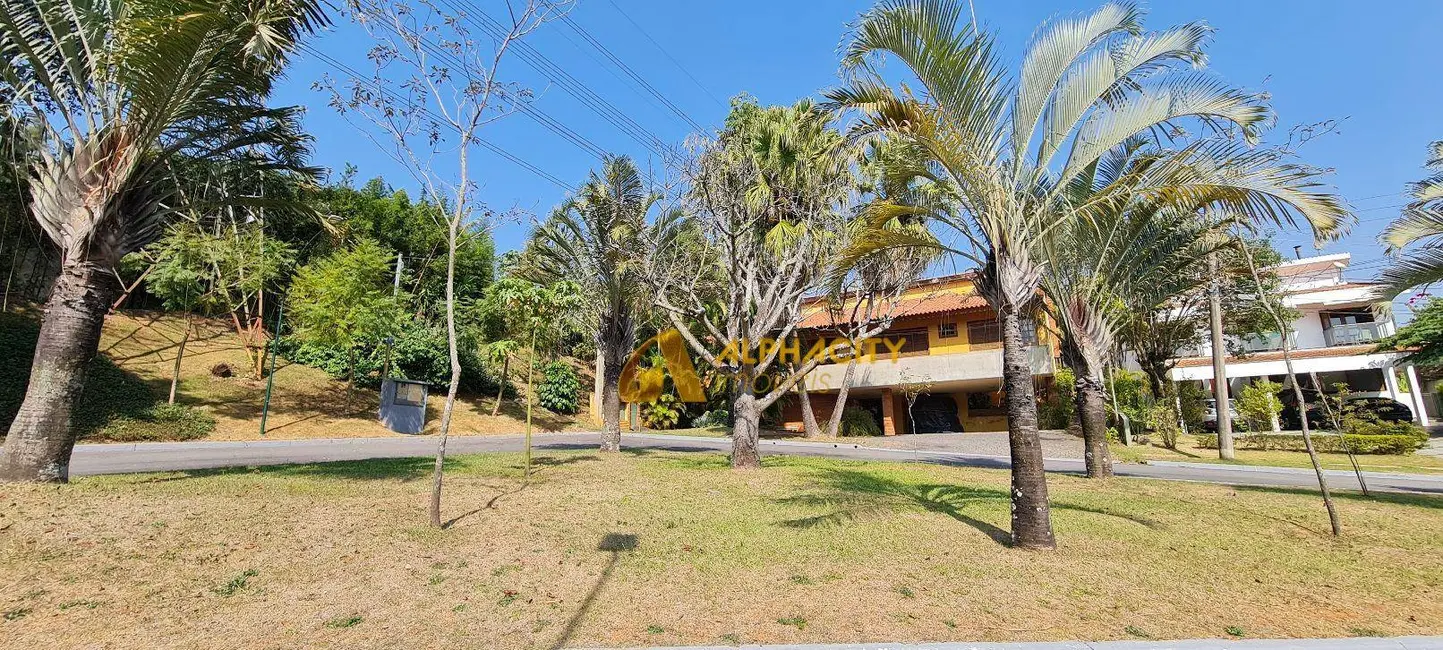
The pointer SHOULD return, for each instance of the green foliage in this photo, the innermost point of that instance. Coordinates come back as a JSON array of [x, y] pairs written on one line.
[[712, 418], [345, 299], [1326, 443], [1258, 404], [1193, 398], [1423, 336], [418, 352], [1130, 389], [858, 422], [664, 413], [1056, 411], [1245, 301], [1162, 420], [1364, 425], [560, 389], [159, 422]]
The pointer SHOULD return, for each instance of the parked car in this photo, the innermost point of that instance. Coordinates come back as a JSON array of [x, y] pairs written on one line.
[[1386, 410], [1210, 414]]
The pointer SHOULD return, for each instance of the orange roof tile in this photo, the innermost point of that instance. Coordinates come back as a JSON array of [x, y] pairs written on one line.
[[941, 303]]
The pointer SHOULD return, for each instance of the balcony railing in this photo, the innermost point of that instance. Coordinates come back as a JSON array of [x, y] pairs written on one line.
[[1354, 334], [1268, 342]]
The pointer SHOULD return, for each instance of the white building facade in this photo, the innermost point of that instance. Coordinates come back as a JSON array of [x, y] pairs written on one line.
[[1334, 338]]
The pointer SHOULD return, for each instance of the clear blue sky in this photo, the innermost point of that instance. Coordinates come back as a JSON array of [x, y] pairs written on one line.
[[1369, 64]]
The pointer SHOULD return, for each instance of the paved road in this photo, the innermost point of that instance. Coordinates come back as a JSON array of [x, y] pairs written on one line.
[[155, 457]]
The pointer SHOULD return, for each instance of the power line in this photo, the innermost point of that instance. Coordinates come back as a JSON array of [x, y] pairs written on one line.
[[581, 31], [559, 76], [360, 79], [665, 53]]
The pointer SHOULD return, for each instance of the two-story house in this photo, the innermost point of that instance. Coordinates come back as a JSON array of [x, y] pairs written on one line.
[[947, 338], [1333, 337]]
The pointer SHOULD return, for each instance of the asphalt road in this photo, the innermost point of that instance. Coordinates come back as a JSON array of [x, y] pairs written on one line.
[[91, 460]]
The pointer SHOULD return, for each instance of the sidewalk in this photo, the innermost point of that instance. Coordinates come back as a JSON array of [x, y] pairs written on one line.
[[1399, 643]]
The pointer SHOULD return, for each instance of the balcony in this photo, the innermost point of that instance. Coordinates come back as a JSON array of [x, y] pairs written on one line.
[[1354, 334], [885, 372], [1268, 342]]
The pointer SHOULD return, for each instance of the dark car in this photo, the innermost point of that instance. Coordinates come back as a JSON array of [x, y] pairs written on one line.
[[1386, 410]]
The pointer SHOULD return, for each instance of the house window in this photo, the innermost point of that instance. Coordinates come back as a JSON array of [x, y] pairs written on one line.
[[983, 331], [905, 341], [947, 331], [1029, 331]]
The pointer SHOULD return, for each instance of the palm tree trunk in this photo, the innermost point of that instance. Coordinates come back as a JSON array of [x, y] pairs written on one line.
[[834, 423], [179, 354], [501, 392], [1031, 515], [1092, 411], [611, 405], [746, 423], [41, 438]]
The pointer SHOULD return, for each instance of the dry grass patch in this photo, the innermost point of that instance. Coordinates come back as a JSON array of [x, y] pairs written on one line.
[[660, 549], [306, 403]]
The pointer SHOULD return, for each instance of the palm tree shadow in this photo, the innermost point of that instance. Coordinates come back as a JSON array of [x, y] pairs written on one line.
[[615, 544], [853, 494]]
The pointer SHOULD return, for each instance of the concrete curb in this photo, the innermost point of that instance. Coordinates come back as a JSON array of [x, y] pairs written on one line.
[[1330, 473], [1397, 643]]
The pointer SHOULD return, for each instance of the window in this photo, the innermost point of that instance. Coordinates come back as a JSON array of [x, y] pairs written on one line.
[[985, 404], [1029, 331], [947, 331], [983, 331], [913, 340], [408, 394]]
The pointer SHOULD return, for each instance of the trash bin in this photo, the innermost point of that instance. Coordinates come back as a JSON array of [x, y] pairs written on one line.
[[403, 405]]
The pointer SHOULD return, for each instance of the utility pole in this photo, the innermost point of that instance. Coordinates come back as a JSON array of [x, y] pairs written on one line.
[[1220, 365], [396, 284]]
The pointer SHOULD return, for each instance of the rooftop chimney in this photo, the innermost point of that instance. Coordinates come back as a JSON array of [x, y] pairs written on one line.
[[1298, 252]]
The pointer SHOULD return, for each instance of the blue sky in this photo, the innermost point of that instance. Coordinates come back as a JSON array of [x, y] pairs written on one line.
[[1369, 65]]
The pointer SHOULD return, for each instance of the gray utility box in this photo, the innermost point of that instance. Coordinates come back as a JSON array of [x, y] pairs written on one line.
[[403, 405]]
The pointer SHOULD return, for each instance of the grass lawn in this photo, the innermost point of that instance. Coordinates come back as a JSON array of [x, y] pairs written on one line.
[[1188, 451], [660, 549]]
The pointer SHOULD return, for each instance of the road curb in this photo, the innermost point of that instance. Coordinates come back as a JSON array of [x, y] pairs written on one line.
[[1395, 643], [1330, 473]]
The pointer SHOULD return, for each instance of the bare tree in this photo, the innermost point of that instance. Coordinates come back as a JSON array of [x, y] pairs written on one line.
[[435, 85], [913, 387]]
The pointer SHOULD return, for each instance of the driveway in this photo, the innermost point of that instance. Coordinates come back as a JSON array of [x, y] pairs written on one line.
[[156, 457], [1055, 444]]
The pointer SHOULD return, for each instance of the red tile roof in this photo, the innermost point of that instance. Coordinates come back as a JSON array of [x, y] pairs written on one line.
[[1277, 355], [942, 303]]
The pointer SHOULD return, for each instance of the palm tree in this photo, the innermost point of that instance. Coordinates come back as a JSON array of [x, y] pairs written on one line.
[[1010, 150], [1421, 221], [594, 239], [120, 90]]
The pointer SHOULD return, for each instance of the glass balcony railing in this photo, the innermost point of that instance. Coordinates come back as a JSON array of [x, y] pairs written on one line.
[[1354, 334], [1269, 342]]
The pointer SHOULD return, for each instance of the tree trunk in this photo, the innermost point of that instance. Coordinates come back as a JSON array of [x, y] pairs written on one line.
[[437, 471], [501, 392], [179, 354], [747, 427], [1220, 375], [40, 440], [834, 423], [618, 336], [1092, 412], [611, 407], [1031, 516], [809, 417]]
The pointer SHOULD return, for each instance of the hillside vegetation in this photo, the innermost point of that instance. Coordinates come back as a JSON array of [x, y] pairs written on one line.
[[131, 376]]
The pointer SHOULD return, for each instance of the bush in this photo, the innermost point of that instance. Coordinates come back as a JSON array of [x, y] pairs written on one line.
[[159, 422], [712, 418], [1056, 411], [1163, 421], [1325, 443], [664, 413], [1258, 405], [858, 422], [560, 389], [419, 352], [1360, 426]]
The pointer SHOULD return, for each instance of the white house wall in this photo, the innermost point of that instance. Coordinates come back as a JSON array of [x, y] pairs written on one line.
[[1301, 366]]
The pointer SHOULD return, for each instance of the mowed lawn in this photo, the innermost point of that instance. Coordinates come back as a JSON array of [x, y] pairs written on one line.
[[659, 549]]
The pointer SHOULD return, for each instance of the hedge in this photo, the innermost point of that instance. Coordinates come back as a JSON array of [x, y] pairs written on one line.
[[1323, 442]]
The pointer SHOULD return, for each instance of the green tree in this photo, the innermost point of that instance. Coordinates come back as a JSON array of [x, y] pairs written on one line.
[[545, 312], [179, 278], [1422, 337], [594, 239], [1010, 151], [120, 90], [1422, 224], [1259, 405], [346, 300]]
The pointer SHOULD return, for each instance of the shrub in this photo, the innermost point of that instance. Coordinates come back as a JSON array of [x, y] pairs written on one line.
[[1360, 426], [1056, 411], [664, 413], [858, 422], [712, 418], [1132, 398], [560, 389], [1163, 421], [1325, 443], [1258, 405], [159, 422], [418, 352]]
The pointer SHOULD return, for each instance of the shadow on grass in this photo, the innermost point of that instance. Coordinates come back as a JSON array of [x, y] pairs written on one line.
[[858, 494], [1428, 497], [615, 544]]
